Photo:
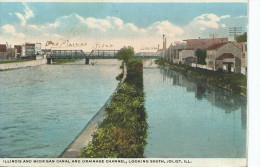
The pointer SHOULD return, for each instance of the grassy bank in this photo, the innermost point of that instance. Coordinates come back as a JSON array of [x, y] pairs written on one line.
[[13, 61], [124, 131], [233, 82], [63, 61]]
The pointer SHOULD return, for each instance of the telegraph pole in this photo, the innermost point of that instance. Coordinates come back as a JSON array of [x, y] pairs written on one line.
[[213, 36], [234, 31]]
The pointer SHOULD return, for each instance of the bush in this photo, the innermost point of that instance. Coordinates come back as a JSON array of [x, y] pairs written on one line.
[[124, 131], [125, 54]]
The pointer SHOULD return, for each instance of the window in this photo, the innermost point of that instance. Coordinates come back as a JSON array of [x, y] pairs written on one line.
[[244, 55], [246, 47]]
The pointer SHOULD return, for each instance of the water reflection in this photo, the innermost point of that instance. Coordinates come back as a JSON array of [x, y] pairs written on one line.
[[188, 118], [220, 98]]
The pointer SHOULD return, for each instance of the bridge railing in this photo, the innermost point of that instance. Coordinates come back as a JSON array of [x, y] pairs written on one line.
[[67, 54], [103, 53]]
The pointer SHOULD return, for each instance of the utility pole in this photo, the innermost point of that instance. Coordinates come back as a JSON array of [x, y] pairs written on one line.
[[234, 31], [213, 36]]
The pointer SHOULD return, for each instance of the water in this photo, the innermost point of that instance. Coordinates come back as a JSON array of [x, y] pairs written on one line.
[[43, 108], [191, 119]]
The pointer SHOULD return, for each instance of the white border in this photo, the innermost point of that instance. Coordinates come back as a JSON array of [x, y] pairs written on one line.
[[254, 84], [135, 1]]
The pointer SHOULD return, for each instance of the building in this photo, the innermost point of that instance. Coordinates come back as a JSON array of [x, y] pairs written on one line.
[[243, 47], [203, 44], [29, 49], [187, 56], [173, 52], [38, 48], [6, 53], [18, 51], [3, 48], [162, 52], [224, 56], [244, 59]]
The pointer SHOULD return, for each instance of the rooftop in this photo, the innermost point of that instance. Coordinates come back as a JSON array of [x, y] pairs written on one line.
[[216, 46], [225, 56], [204, 39]]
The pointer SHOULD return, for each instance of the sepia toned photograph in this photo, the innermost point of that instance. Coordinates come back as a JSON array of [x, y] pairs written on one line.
[[161, 83]]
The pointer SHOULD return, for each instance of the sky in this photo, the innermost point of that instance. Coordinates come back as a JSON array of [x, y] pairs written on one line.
[[114, 25]]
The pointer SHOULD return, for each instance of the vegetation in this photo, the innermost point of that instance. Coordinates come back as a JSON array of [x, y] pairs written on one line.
[[160, 61], [63, 61], [125, 54], [13, 61], [234, 82], [124, 131], [201, 56], [242, 38]]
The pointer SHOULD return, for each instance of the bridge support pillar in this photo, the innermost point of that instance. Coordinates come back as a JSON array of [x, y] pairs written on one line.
[[87, 61], [49, 61]]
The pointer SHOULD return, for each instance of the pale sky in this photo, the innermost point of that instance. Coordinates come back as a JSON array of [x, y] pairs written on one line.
[[117, 24]]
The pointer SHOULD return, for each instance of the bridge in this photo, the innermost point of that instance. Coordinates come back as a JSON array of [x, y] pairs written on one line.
[[94, 54]]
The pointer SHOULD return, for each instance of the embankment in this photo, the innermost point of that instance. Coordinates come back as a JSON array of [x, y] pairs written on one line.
[[16, 65], [85, 136], [123, 133], [234, 82]]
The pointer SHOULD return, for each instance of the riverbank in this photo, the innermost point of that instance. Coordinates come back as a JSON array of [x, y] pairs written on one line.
[[86, 135], [234, 82], [124, 131], [21, 64], [63, 61]]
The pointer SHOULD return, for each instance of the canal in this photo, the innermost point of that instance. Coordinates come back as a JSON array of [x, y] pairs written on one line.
[[191, 119], [43, 108]]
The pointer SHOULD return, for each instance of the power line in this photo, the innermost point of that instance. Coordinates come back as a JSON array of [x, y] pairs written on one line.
[[234, 31]]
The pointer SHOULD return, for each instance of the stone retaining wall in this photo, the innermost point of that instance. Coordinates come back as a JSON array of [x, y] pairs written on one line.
[[32, 63]]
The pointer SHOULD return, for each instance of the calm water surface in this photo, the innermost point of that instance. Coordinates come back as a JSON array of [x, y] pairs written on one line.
[[43, 108], [191, 119]]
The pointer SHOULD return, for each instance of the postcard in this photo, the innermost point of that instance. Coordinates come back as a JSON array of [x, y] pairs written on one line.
[[123, 83]]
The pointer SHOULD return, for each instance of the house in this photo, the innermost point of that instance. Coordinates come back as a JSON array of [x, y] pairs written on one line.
[[224, 56]]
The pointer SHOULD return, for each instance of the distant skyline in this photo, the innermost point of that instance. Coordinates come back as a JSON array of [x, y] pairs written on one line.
[[118, 24]]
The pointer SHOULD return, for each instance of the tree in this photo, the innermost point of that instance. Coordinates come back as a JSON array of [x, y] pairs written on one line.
[[242, 38], [201, 56], [125, 54]]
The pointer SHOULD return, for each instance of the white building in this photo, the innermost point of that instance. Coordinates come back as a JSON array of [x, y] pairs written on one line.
[[38, 48]]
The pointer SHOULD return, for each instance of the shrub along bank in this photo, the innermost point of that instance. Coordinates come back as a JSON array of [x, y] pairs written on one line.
[[233, 82], [124, 131], [63, 61]]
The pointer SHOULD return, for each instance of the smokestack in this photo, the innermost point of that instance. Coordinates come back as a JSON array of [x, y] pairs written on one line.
[[165, 43]]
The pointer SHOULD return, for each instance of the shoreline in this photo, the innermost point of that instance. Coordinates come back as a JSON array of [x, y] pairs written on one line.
[[212, 79], [17, 65], [84, 138]]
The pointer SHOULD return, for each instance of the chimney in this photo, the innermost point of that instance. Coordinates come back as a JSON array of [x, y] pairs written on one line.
[[165, 43]]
